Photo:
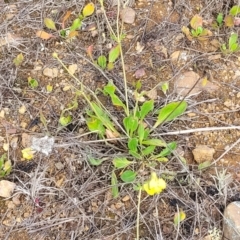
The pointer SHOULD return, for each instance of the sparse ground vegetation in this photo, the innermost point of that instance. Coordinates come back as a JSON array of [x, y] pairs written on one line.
[[118, 119]]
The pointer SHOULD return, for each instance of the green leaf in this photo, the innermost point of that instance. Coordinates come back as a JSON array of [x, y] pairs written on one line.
[[110, 66], [130, 123], [94, 161], [64, 121], [148, 150], [114, 186], [109, 89], [33, 83], [220, 19], [146, 108], [204, 165], [233, 42], [49, 23], [235, 10], [168, 150], [141, 132], [154, 142], [114, 54], [121, 162], [132, 144], [170, 112], [102, 61], [128, 176], [18, 59], [234, 47], [94, 125], [135, 154], [165, 87], [76, 24], [161, 159]]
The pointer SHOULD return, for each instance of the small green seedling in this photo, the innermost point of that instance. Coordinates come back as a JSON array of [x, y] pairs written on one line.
[[5, 165], [197, 31], [230, 18], [32, 82], [104, 62], [232, 46]]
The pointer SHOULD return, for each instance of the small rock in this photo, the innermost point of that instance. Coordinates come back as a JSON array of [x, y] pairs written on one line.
[[6, 188], [14, 142], [186, 82], [26, 140], [50, 72], [203, 153], [231, 224], [73, 68], [15, 200], [128, 15], [2, 114]]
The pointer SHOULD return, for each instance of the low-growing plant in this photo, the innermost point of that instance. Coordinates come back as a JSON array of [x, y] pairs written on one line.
[[197, 31], [132, 128], [5, 165], [70, 31], [232, 45]]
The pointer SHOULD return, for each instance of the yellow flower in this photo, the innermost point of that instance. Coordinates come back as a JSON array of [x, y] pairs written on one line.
[[28, 153], [154, 185]]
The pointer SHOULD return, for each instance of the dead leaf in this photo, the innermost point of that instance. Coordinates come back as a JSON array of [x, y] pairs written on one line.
[[26, 140], [6, 188], [110, 134], [140, 73], [229, 21], [43, 35], [128, 15], [73, 34], [186, 31], [65, 18], [174, 56], [72, 69], [196, 22], [152, 94]]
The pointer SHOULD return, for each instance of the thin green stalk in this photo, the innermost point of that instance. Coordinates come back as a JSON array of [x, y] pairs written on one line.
[[138, 213]]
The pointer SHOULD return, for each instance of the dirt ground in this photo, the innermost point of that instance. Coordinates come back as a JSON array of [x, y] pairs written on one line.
[[60, 195]]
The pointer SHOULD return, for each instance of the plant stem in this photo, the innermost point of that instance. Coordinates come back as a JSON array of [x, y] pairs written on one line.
[[138, 212]]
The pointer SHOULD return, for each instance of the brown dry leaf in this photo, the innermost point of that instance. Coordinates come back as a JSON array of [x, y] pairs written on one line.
[[65, 18], [236, 21], [73, 68], [26, 140], [6, 188], [128, 15], [110, 134], [73, 34], [196, 22], [152, 94], [175, 56], [186, 31], [229, 21], [43, 35]]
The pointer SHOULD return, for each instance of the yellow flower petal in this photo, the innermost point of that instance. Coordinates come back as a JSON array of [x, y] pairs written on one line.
[[28, 153], [155, 185]]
